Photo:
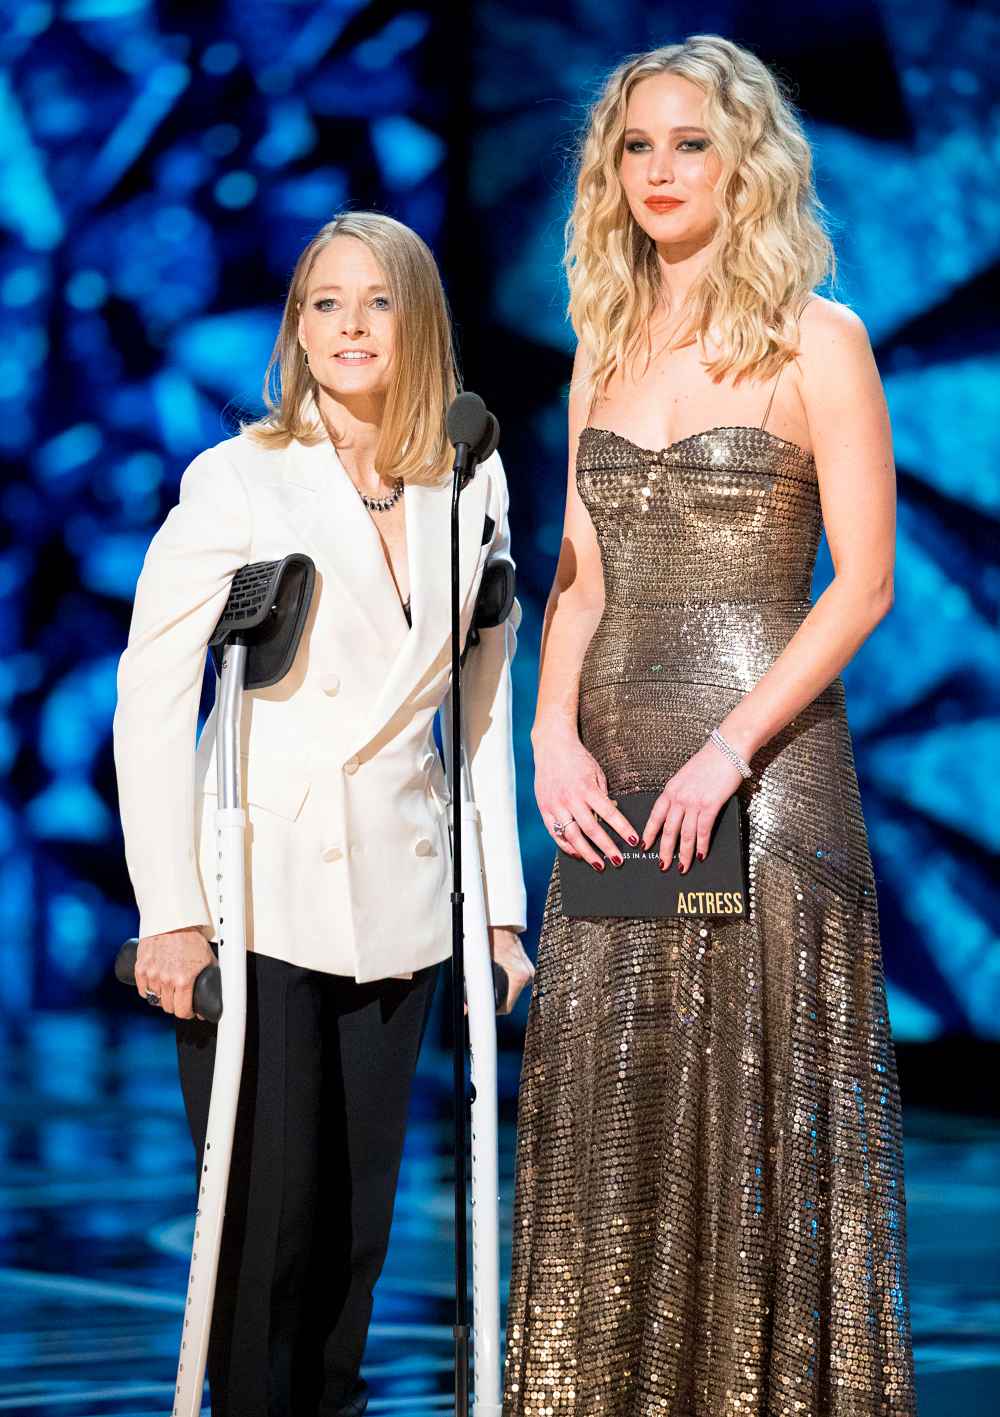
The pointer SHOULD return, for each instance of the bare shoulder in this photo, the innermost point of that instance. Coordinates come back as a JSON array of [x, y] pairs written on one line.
[[835, 359], [582, 362], [580, 391], [826, 325], [841, 392]]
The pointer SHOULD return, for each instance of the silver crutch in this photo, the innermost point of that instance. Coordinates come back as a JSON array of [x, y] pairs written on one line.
[[253, 647], [485, 991]]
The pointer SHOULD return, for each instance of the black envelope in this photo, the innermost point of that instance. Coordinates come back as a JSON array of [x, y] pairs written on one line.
[[640, 890]]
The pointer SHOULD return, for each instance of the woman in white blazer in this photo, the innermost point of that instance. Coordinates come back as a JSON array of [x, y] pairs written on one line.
[[348, 866]]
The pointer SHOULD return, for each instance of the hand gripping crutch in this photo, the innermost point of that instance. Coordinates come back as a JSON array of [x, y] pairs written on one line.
[[253, 647], [486, 987]]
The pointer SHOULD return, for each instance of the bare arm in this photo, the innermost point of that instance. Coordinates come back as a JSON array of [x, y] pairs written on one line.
[[569, 783], [576, 600], [849, 426], [852, 443]]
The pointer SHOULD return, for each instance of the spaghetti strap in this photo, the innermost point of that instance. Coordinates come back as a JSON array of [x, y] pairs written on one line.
[[774, 387], [767, 411]]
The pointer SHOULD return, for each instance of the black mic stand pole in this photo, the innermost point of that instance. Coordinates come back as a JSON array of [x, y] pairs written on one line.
[[463, 465]]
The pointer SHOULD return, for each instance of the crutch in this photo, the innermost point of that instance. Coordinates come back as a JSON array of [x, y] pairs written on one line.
[[475, 433], [253, 647], [486, 987]]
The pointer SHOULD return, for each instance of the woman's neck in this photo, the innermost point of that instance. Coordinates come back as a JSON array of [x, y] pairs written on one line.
[[681, 263], [354, 426]]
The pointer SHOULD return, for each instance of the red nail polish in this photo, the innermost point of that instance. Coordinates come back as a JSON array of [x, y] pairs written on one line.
[[597, 865], [633, 841], [663, 866], [617, 860], [682, 869], [701, 856]]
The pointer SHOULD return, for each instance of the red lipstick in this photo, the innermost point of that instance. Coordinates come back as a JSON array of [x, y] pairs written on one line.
[[663, 204]]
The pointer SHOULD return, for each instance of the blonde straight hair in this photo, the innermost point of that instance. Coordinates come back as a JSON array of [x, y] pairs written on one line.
[[771, 248], [412, 441]]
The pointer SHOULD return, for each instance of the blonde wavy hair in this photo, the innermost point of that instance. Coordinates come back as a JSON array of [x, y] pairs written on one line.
[[412, 441], [771, 247]]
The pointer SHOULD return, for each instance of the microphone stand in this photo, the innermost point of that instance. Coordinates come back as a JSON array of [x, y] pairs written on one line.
[[461, 1328]]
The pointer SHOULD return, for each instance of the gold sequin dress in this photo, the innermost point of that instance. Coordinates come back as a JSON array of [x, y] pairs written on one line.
[[709, 1217]]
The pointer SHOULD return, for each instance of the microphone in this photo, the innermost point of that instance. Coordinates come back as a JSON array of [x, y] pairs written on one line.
[[490, 439], [473, 431]]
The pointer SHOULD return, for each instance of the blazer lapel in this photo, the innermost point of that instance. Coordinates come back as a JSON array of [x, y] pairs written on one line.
[[428, 540], [336, 523]]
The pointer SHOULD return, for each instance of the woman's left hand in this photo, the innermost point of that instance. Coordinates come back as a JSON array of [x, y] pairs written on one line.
[[687, 807], [507, 950]]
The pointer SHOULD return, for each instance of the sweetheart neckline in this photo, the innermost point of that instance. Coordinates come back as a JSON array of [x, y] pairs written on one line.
[[690, 437]]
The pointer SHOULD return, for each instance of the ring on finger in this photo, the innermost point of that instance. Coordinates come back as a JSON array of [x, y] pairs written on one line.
[[559, 828], [152, 998]]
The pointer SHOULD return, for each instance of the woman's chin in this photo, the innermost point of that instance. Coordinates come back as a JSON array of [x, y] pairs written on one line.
[[355, 384], [668, 230]]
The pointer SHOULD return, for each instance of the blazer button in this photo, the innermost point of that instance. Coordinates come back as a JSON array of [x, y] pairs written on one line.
[[331, 683], [351, 766], [332, 853], [424, 847]]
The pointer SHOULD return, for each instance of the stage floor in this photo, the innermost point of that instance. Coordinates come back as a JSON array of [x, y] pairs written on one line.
[[96, 1184]]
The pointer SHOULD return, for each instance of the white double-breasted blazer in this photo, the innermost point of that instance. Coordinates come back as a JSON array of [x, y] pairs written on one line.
[[348, 861]]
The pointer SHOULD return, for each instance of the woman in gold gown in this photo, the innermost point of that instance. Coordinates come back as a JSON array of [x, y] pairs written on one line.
[[709, 1214]]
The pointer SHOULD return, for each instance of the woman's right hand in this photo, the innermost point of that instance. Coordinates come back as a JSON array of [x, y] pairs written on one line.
[[570, 787], [167, 965]]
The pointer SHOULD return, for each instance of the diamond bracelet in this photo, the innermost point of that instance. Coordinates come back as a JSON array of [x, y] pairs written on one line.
[[730, 753]]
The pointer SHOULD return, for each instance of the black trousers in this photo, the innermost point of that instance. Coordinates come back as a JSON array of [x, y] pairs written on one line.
[[327, 1072]]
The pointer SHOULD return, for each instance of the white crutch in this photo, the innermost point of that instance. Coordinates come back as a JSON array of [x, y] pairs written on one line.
[[475, 433], [253, 646], [484, 990]]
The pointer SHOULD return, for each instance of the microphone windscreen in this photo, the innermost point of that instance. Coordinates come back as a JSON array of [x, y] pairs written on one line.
[[490, 439], [467, 420]]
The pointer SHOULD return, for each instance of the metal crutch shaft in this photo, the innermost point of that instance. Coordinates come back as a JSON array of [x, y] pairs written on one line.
[[230, 829], [482, 992], [461, 1326], [475, 975]]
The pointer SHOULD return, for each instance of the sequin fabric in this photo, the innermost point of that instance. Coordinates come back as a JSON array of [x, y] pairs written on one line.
[[709, 1215]]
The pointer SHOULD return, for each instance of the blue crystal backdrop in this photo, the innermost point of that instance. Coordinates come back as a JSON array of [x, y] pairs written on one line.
[[160, 168]]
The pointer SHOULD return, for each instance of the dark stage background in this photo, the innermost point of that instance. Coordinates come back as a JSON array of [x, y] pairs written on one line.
[[160, 168]]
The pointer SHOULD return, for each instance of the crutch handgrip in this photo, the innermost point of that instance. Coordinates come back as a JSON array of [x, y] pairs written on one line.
[[207, 993]]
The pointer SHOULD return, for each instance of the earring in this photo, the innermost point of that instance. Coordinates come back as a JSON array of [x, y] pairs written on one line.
[[306, 354]]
